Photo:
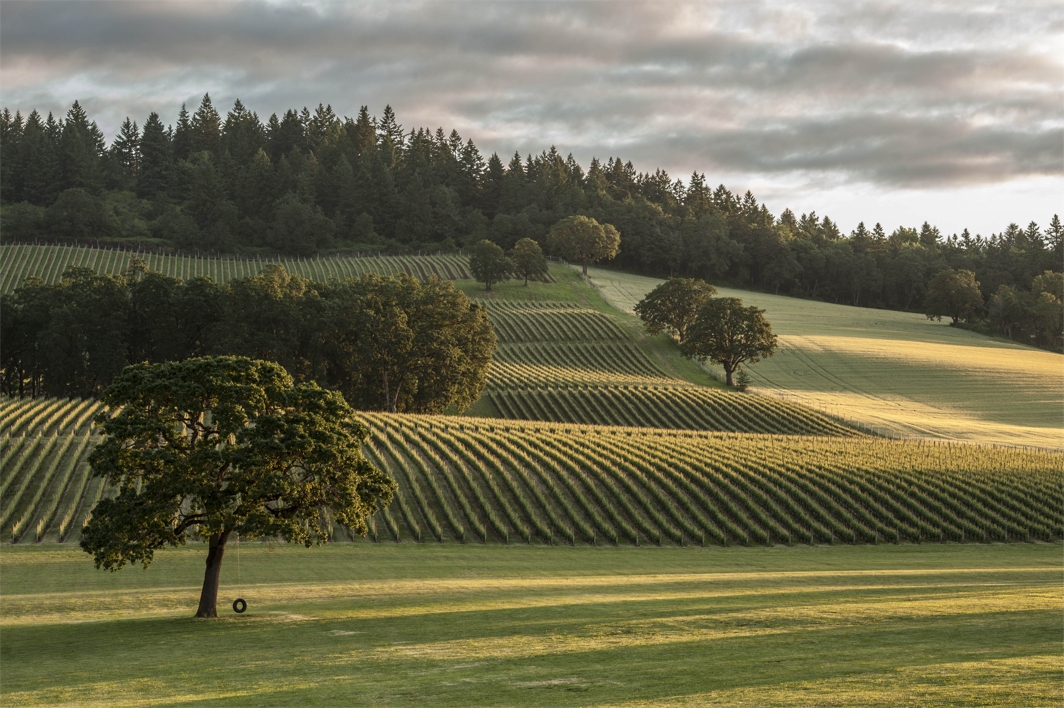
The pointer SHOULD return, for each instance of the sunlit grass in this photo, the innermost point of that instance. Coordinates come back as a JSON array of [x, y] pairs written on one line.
[[896, 372], [414, 624]]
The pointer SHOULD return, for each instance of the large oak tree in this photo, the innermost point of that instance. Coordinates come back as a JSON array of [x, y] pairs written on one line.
[[729, 334], [223, 445], [584, 240], [673, 305]]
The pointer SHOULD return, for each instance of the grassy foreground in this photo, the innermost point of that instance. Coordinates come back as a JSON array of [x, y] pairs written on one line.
[[386, 624]]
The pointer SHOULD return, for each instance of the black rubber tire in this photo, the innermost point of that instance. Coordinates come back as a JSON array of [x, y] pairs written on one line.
[[239, 606]]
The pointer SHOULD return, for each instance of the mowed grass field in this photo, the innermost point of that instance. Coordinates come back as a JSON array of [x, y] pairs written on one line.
[[896, 372], [388, 624]]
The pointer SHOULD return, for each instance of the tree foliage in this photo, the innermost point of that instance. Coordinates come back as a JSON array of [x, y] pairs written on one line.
[[528, 261], [584, 240], [400, 345], [222, 445], [488, 264], [307, 181], [673, 305], [954, 293], [729, 334], [388, 343]]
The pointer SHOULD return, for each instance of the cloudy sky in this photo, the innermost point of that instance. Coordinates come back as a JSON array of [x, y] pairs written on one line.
[[896, 112]]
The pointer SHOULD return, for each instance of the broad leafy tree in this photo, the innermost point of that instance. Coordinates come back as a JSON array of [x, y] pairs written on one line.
[[489, 264], [216, 446], [584, 240], [400, 345], [954, 293], [672, 306], [528, 260], [729, 334]]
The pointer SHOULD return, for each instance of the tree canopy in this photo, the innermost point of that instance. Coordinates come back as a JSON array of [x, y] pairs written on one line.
[[400, 345], [387, 343], [488, 263], [222, 445], [673, 305], [308, 180], [729, 334], [954, 293], [528, 261], [584, 240]]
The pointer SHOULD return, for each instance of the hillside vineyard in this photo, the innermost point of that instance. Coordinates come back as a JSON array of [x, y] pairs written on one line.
[[49, 262], [560, 362], [477, 481]]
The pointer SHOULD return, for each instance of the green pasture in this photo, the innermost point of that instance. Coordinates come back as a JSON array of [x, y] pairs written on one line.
[[406, 624], [894, 371]]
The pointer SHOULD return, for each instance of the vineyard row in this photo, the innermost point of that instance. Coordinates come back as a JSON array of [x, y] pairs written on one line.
[[49, 262], [476, 480]]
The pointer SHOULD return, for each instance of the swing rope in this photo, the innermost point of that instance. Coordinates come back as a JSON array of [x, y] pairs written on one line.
[[239, 604]]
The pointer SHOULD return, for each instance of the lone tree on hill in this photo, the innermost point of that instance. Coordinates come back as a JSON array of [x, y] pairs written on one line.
[[729, 334], [528, 260], [954, 293], [673, 305], [489, 264], [218, 445], [582, 239]]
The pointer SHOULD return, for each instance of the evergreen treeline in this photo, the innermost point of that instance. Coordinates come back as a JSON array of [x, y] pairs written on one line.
[[386, 343], [309, 181]]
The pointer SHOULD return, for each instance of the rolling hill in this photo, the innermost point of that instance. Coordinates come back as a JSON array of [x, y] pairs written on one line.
[[896, 372], [474, 480]]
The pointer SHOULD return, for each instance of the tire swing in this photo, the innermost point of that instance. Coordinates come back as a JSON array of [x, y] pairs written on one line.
[[240, 605]]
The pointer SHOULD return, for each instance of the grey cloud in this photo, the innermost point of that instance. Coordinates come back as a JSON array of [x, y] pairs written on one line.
[[899, 94]]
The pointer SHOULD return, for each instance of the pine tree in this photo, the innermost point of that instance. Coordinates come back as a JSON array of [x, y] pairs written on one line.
[[10, 136], [206, 126], [1055, 237], [80, 148], [929, 236], [491, 186], [125, 150], [698, 200], [156, 163], [284, 136], [514, 187], [472, 168], [242, 134], [182, 138], [364, 136]]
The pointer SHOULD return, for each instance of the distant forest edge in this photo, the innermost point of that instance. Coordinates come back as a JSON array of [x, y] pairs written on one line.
[[308, 182]]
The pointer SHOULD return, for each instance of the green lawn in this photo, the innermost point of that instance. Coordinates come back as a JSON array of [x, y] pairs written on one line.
[[407, 624], [897, 372]]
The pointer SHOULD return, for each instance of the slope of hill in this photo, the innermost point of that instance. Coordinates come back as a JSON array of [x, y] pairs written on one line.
[[566, 363], [894, 371], [490, 481], [49, 262]]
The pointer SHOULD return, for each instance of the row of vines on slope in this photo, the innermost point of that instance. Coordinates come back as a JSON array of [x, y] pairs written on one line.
[[48, 263], [475, 480]]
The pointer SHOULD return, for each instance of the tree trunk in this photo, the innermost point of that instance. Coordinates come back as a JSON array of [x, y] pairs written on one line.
[[585, 267], [727, 375], [208, 602]]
